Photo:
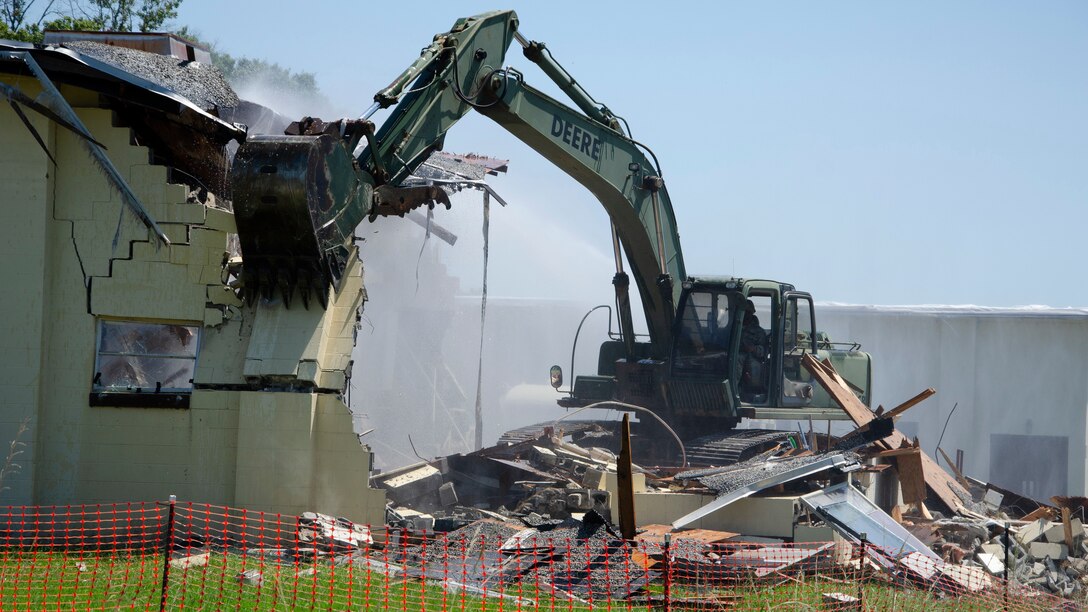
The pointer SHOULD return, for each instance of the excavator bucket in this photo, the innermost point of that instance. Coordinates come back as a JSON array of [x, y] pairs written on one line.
[[297, 201]]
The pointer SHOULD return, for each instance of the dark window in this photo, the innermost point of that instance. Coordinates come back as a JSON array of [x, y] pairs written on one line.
[[704, 334], [1033, 466]]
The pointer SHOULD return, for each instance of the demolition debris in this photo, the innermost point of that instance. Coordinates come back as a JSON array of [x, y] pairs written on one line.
[[790, 508]]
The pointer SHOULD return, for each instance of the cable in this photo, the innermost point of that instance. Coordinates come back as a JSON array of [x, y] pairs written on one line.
[[626, 406], [575, 347], [938, 459]]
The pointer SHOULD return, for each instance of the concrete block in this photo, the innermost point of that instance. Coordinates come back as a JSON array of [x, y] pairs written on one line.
[[447, 495], [173, 192], [1042, 550], [211, 275], [1055, 533], [332, 379], [221, 220], [187, 213], [223, 295], [177, 233], [213, 317], [307, 371], [593, 478], [993, 499], [992, 563], [1032, 531]]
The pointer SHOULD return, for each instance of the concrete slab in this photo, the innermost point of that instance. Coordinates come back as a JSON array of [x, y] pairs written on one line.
[[1032, 531], [992, 563], [1041, 550]]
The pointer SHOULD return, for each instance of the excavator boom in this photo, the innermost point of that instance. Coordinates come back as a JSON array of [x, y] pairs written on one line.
[[709, 360]]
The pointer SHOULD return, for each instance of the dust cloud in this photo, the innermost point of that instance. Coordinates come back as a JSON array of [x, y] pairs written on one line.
[[418, 349]]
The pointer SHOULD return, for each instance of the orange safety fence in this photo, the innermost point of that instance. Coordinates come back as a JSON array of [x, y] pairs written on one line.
[[198, 556]]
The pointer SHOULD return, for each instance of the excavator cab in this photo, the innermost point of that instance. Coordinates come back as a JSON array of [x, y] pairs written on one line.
[[736, 351]]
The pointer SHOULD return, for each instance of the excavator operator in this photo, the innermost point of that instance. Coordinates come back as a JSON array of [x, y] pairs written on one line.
[[753, 346]]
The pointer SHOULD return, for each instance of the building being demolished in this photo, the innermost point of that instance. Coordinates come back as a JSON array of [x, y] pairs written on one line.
[[133, 366]]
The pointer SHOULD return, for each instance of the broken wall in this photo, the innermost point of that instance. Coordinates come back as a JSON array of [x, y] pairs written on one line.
[[264, 426]]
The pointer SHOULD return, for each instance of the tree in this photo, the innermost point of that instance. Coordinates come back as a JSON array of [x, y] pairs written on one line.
[[14, 16], [118, 15]]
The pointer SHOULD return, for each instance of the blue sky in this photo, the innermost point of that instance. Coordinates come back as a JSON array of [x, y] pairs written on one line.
[[878, 153]]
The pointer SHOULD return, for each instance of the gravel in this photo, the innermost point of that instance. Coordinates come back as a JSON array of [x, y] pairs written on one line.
[[204, 85]]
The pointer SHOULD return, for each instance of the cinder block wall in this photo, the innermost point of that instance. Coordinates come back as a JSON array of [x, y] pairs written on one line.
[[73, 256]]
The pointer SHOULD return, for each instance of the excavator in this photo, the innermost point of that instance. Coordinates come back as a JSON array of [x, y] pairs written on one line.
[[718, 348]]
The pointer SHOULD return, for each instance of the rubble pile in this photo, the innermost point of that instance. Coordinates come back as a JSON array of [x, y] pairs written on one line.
[[543, 500], [570, 558]]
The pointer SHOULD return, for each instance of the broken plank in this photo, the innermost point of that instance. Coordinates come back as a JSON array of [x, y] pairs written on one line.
[[939, 481], [911, 477], [1042, 512], [952, 466], [896, 452], [914, 401]]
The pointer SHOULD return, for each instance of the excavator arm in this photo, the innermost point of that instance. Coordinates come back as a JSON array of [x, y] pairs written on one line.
[[286, 185], [461, 71], [617, 172]]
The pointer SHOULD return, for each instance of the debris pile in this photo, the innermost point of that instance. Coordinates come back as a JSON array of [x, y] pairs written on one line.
[[800, 503]]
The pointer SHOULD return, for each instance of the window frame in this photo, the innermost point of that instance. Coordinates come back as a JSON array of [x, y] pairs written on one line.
[[140, 397]]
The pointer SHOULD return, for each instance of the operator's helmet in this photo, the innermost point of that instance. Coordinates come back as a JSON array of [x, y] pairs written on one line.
[[749, 307]]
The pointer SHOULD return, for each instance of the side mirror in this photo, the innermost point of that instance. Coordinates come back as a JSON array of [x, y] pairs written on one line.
[[556, 376]]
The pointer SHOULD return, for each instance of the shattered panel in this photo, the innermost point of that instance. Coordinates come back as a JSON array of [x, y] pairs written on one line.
[[850, 512]]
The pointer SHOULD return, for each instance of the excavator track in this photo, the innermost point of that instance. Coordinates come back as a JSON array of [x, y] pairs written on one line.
[[733, 446], [719, 449]]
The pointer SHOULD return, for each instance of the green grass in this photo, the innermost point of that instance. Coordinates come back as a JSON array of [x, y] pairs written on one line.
[[53, 580]]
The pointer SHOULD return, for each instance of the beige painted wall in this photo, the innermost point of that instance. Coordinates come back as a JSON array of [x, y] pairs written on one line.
[[74, 257]]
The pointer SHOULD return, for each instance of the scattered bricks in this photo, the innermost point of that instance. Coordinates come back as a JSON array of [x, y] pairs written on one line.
[[190, 561], [447, 495], [1032, 531], [1052, 550], [1077, 565]]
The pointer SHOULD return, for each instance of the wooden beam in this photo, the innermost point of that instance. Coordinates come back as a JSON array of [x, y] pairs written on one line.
[[914, 401], [625, 481], [1068, 527], [952, 466], [943, 485], [911, 475], [897, 452]]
